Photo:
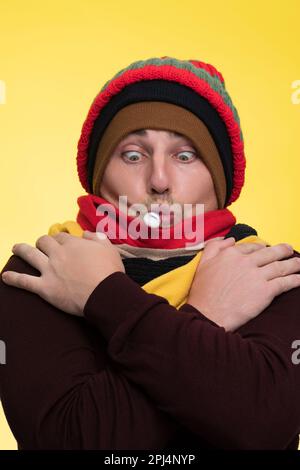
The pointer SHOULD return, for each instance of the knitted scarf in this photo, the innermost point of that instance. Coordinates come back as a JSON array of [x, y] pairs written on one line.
[[174, 284], [216, 224]]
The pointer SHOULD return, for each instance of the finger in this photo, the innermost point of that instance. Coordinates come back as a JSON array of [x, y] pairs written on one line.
[[47, 244], [63, 237], [272, 253], [22, 281], [31, 255], [284, 284], [213, 247], [281, 268], [247, 248], [220, 243], [95, 236]]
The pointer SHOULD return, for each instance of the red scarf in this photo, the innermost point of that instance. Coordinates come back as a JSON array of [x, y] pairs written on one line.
[[217, 223]]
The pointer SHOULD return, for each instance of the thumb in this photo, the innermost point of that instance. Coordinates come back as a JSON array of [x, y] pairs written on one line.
[[213, 248]]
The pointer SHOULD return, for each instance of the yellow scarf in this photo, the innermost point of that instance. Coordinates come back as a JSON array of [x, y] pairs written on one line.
[[174, 285]]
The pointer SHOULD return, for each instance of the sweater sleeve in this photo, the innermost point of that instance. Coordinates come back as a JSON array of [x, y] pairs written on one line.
[[60, 390], [235, 389]]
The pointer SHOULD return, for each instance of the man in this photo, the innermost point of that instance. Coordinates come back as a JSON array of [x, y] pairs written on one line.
[[124, 342]]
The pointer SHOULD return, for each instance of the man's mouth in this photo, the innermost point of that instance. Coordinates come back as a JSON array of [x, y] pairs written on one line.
[[165, 213], [162, 209]]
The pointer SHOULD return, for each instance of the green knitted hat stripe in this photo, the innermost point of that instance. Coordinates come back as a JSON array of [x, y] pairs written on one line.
[[213, 81]]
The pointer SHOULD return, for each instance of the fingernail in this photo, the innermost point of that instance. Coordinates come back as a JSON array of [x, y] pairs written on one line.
[[289, 246]]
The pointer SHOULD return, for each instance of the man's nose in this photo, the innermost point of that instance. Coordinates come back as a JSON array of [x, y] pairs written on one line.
[[159, 180]]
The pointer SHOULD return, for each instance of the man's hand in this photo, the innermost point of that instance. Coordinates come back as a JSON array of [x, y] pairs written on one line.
[[235, 283], [70, 267]]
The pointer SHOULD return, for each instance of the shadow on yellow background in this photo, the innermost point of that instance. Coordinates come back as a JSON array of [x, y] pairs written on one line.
[[56, 57]]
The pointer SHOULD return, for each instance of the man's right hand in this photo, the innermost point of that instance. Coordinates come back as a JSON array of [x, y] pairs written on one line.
[[234, 283]]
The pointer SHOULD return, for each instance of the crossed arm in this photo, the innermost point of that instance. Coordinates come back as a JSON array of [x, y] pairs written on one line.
[[236, 390], [60, 390]]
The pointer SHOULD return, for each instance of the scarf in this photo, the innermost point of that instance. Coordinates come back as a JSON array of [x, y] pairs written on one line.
[[175, 284], [216, 224]]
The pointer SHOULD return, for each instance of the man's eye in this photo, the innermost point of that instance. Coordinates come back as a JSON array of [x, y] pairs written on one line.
[[187, 156], [131, 153]]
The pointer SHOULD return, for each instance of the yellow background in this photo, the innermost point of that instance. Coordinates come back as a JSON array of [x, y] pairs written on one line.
[[56, 55]]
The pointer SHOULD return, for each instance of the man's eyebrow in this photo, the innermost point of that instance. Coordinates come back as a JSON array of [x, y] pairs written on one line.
[[143, 132]]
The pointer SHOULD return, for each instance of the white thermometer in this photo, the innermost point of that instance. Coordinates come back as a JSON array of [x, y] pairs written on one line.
[[152, 219]]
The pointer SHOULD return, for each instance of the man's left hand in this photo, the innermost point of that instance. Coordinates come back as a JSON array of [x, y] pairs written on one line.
[[70, 267]]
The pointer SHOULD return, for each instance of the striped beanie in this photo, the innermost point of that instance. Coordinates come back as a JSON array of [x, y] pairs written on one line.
[[190, 84]]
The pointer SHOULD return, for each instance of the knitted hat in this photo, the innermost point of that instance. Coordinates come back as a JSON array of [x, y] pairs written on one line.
[[196, 87]]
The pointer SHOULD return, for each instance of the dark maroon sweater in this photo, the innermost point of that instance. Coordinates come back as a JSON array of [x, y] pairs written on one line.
[[136, 373]]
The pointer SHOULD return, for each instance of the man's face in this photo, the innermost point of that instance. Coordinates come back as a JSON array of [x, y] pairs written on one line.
[[158, 166]]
